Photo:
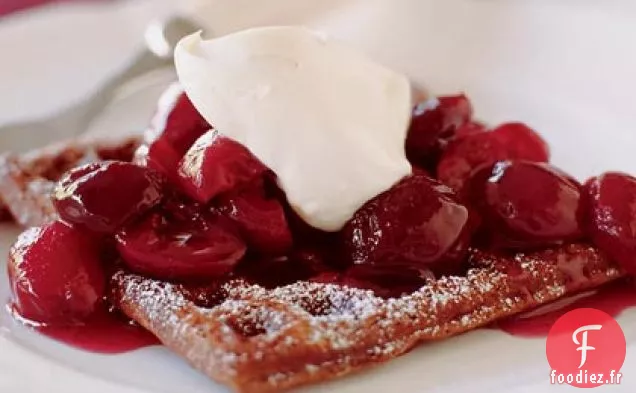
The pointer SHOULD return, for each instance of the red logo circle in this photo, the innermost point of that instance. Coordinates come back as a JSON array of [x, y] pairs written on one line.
[[586, 348]]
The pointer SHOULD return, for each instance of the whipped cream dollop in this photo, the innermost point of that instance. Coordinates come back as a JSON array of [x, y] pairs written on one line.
[[329, 122]]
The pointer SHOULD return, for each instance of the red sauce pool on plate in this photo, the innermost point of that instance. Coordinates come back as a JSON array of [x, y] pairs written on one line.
[[105, 333], [613, 299]]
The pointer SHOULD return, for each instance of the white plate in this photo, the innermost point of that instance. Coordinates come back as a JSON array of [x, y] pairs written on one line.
[[565, 67]]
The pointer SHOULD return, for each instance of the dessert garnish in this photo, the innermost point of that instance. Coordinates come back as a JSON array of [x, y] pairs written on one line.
[[327, 121]]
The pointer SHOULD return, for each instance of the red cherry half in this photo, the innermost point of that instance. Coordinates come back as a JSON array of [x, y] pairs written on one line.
[[261, 220], [176, 121], [473, 150], [434, 122], [103, 196], [527, 204], [216, 164], [611, 202], [174, 128], [417, 224], [56, 275], [173, 243]]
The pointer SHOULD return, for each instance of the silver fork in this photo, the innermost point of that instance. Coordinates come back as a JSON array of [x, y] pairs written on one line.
[[160, 38]]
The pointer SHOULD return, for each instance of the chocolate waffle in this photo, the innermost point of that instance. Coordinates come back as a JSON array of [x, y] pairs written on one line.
[[259, 340], [255, 339]]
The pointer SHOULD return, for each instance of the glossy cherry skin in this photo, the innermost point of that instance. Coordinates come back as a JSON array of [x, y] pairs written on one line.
[[526, 204], [417, 224], [163, 158], [174, 128], [55, 274], [216, 164], [522, 142], [611, 204], [176, 121], [177, 243], [463, 155], [103, 196], [470, 128], [261, 220], [473, 150], [434, 122]]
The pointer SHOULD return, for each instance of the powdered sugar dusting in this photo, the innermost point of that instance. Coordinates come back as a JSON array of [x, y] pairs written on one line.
[[336, 328]]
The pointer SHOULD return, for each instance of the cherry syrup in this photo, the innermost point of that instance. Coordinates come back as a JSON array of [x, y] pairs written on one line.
[[105, 333], [612, 298]]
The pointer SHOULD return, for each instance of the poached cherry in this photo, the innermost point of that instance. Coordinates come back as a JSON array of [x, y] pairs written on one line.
[[417, 224], [527, 204], [472, 150], [522, 142], [611, 203], [216, 164], [55, 274], [176, 121], [469, 128], [433, 123], [174, 128], [261, 220], [103, 196], [180, 242], [163, 158]]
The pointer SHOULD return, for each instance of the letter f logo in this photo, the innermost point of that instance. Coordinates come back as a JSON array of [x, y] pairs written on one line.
[[583, 344]]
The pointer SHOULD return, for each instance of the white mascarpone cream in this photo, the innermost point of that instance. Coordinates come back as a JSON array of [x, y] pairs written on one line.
[[328, 121]]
